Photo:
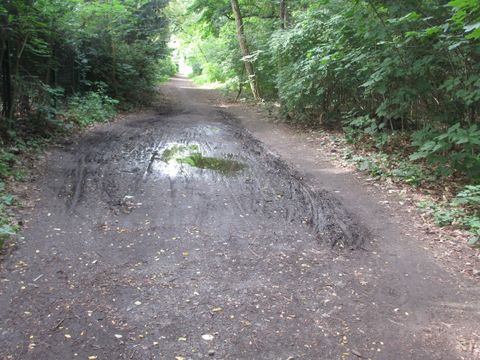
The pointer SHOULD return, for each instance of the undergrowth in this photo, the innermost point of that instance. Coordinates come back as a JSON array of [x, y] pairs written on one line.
[[92, 107], [7, 226], [448, 161]]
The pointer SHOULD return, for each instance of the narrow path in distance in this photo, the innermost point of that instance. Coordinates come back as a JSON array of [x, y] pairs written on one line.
[[176, 234]]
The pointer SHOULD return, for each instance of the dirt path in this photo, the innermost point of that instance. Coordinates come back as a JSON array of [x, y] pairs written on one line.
[[175, 234]]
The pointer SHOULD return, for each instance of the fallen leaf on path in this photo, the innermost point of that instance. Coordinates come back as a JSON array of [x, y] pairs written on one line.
[[357, 353]]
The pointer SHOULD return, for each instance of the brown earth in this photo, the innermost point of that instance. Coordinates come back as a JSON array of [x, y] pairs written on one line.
[[177, 233]]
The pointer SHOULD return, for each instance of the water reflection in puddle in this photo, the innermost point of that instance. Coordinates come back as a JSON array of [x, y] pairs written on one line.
[[176, 156]]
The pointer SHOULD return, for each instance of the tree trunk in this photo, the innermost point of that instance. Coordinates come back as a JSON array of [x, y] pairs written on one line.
[[114, 69], [6, 76], [244, 48], [283, 14], [7, 84]]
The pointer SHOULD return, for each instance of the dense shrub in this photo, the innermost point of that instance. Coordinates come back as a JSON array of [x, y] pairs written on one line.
[[90, 108]]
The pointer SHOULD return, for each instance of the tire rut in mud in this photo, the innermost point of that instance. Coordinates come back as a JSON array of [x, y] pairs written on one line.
[[115, 166]]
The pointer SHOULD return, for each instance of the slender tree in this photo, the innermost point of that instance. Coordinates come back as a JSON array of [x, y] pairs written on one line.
[[283, 14], [5, 66], [249, 67]]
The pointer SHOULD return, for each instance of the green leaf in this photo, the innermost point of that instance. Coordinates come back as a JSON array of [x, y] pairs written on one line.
[[7, 199], [7, 230], [472, 27], [457, 44], [474, 35], [474, 241]]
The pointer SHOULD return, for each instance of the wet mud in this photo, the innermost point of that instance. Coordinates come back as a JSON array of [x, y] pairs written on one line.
[[213, 162]]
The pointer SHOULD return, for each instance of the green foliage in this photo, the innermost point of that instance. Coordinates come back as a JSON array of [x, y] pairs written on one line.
[[458, 149], [6, 161], [383, 165], [166, 69], [7, 200], [443, 216], [375, 165], [470, 196], [59, 48], [382, 62], [90, 108], [6, 228], [412, 174], [467, 16], [469, 200], [462, 211], [215, 59], [211, 47], [364, 129]]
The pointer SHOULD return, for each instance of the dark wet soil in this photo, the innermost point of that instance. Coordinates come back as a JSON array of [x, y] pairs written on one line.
[[175, 234]]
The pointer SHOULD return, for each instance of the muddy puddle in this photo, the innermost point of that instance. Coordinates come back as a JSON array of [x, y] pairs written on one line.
[[176, 156], [212, 162]]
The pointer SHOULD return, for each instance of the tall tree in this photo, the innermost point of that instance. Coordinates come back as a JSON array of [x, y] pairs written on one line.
[[283, 14], [5, 66], [247, 57]]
